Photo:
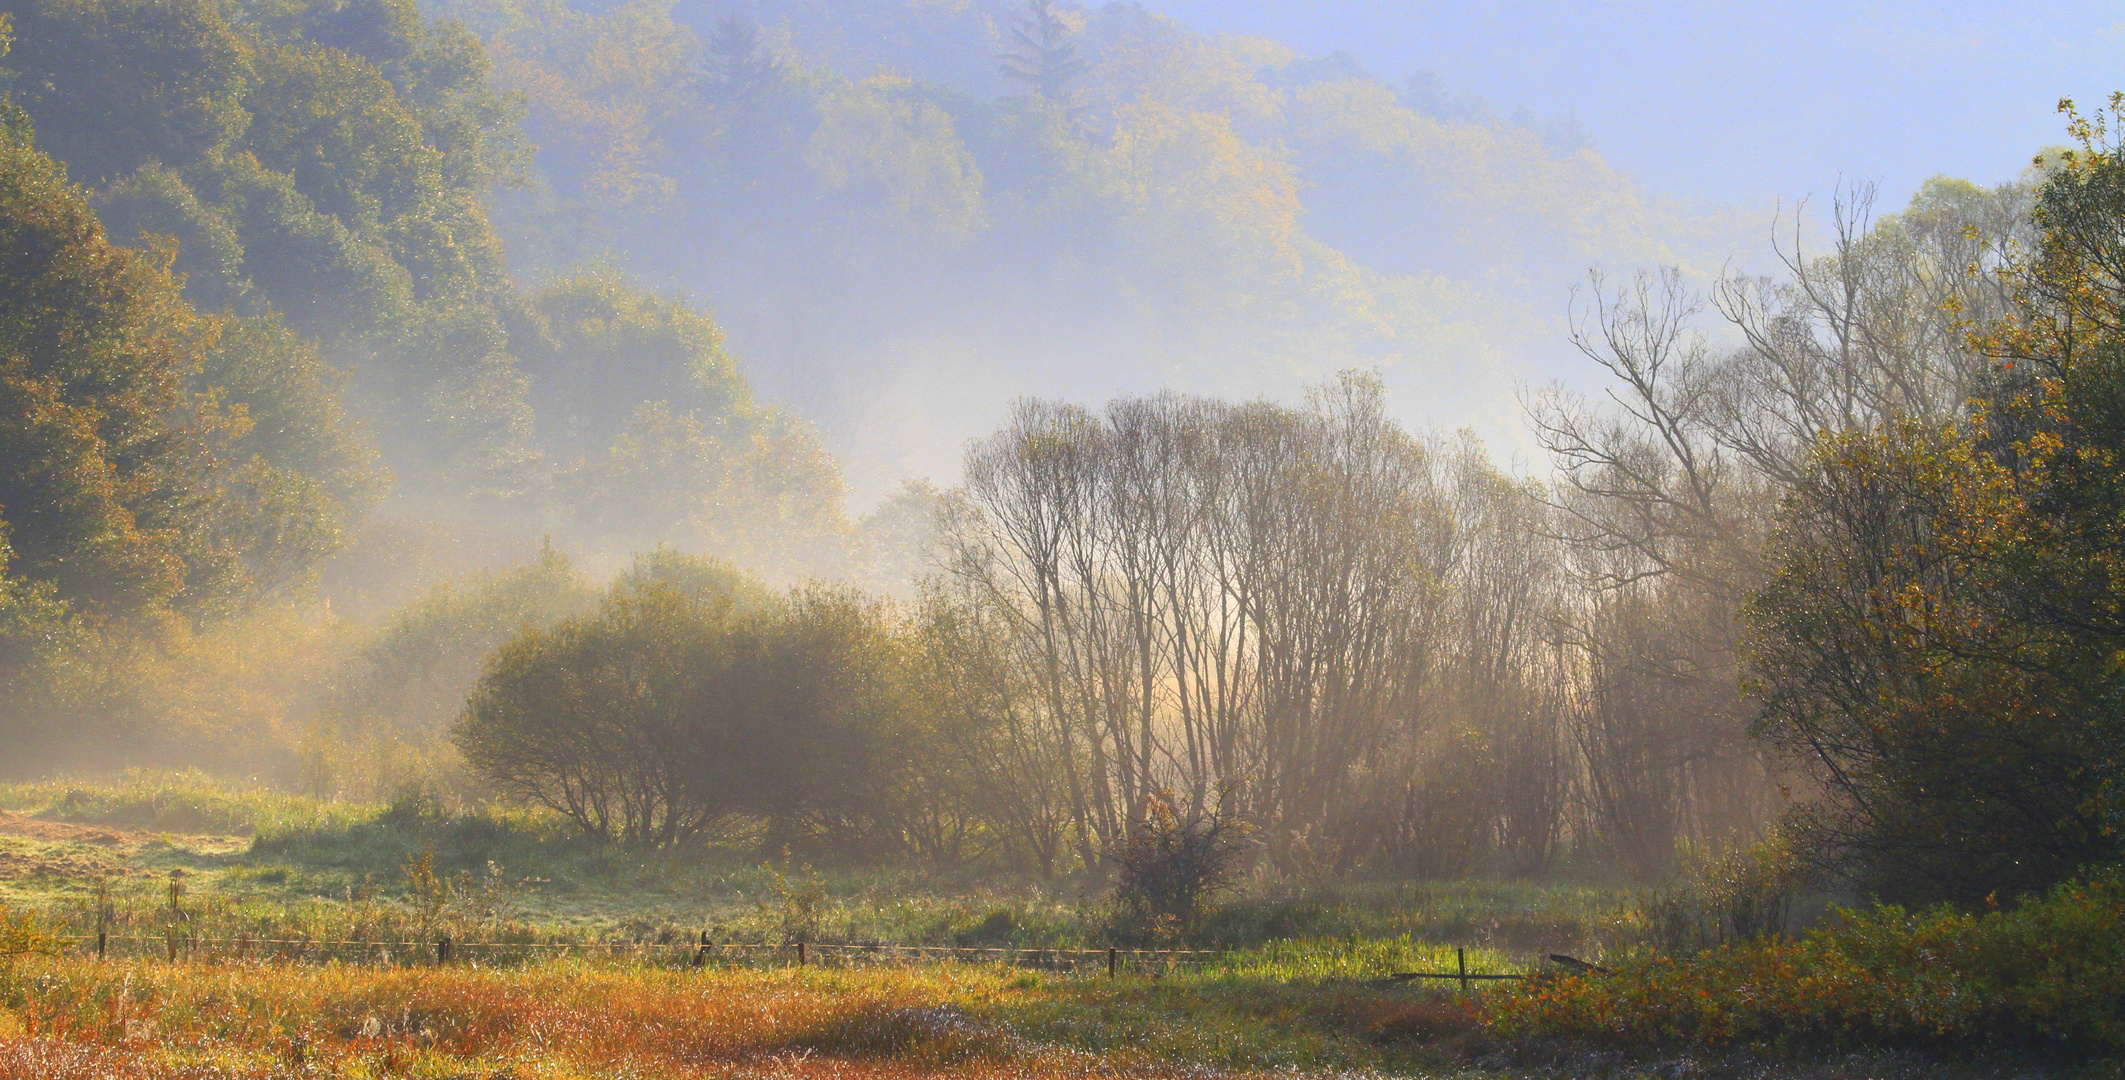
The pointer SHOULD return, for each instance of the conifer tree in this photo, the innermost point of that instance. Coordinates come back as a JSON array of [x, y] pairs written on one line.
[[1044, 58]]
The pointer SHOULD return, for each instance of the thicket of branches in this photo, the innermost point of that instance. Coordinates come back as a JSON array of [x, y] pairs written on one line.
[[1270, 611]]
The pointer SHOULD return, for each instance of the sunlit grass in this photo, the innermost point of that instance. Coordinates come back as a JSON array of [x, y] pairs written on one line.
[[186, 803], [582, 1019]]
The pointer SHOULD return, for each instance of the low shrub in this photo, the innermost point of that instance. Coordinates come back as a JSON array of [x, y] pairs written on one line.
[[1725, 895], [21, 934], [2046, 971], [1171, 867]]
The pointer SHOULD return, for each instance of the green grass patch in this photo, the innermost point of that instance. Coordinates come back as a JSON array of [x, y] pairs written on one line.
[[260, 863]]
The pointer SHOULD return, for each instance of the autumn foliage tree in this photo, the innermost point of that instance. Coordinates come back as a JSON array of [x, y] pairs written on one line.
[[1940, 638], [323, 161], [157, 466]]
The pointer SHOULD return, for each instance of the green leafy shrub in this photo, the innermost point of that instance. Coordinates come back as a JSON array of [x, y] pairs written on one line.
[[21, 933]]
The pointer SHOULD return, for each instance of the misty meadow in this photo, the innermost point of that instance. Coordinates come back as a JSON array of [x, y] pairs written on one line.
[[1017, 538]]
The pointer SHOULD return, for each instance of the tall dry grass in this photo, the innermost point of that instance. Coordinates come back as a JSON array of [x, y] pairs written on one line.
[[67, 1017], [70, 1017]]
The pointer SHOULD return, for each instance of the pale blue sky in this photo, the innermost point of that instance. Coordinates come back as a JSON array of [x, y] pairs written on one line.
[[1741, 102]]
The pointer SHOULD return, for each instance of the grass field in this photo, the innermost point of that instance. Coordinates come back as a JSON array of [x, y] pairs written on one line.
[[266, 865], [1295, 987]]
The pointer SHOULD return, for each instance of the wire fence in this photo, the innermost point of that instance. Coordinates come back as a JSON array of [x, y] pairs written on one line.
[[443, 951], [403, 951]]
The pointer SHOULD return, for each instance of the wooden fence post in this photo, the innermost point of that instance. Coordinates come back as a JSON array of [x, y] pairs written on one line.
[[102, 939], [800, 954], [1461, 961], [442, 949], [701, 954], [1112, 953]]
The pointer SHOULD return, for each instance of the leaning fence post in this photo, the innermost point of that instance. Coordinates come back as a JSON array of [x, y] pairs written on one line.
[[1461, 961], [1112, 953]]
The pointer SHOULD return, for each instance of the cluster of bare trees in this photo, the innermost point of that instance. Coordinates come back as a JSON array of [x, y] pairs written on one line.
[[1263, 611], [1379, 649]]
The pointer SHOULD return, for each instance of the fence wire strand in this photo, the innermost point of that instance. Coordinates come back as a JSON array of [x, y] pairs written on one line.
[[406, 951]]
